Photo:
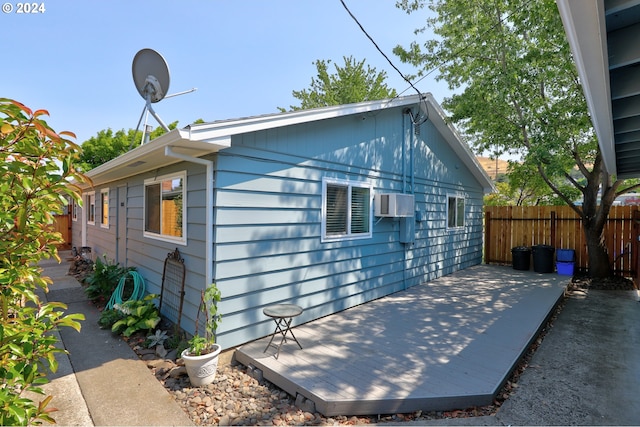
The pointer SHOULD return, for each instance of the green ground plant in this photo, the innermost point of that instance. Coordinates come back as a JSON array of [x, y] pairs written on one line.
[[157, 338], [36, 168], [108, 317], [138, 315]]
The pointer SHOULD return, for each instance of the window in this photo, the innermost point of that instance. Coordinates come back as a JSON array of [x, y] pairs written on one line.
[[91, 208], [455, 212], [74, 209], [104, 220], [164, 208], [346, 210]]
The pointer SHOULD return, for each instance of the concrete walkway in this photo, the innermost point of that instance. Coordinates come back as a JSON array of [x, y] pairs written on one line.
[[102, 381]]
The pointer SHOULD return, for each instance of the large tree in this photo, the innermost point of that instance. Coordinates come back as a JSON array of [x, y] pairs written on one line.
[[353, 82], [517, 91]]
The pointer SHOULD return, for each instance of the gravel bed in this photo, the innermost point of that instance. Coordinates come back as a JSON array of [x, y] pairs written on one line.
[[236, 398]]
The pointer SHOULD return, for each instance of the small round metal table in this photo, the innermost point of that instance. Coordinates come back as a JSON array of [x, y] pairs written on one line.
[[282, 315]]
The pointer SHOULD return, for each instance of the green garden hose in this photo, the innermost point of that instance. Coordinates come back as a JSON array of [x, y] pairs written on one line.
[[137, 294]]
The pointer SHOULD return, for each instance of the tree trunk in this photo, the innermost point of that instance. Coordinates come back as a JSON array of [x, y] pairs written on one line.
[[598, 257]]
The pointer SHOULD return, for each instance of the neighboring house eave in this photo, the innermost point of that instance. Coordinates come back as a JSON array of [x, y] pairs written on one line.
[[585, 26]]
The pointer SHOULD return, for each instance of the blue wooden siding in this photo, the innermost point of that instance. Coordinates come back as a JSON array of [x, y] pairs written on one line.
[[268, 204], [268, 218], [147, 254]]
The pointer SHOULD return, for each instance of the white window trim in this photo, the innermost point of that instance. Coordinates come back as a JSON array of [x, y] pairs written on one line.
[[348, 236], [102, 192], [162, 237], [91, 197], [456, 197]]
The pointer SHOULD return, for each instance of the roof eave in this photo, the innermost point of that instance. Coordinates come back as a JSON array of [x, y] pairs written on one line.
[[150, 156], [201, 139], [207, 131]]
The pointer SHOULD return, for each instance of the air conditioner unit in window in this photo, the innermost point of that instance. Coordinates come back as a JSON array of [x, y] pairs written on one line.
[[394, 205]]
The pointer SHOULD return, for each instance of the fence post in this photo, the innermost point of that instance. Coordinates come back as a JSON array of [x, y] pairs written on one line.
[[553, 228], [487, 235]]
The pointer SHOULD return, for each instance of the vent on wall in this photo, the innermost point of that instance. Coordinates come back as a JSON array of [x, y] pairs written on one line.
[[394, 205]]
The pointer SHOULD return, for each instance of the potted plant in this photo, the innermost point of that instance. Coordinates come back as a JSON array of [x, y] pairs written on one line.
[[201, 357]]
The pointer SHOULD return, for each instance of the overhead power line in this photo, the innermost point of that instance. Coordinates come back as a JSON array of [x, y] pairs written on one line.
[[426, 110]]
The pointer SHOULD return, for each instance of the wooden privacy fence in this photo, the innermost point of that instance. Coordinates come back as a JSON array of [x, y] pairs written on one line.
[[62, 225], [507, 227]]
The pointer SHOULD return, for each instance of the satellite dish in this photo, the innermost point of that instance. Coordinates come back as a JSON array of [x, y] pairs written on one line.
[[150, 75]]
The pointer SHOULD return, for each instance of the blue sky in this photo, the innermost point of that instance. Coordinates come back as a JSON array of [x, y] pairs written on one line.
[[245, 57]]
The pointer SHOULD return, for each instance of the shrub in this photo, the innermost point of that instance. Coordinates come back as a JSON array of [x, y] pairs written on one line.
[[36, 167], [104, 278]]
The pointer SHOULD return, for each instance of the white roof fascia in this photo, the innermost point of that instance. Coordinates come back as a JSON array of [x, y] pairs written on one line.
[[135, 153], [585, 26], [208, 131]]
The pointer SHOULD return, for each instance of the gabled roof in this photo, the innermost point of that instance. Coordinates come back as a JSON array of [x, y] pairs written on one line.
[[197, 140], [603, 36]]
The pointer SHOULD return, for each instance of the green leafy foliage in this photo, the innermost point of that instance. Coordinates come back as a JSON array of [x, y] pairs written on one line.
[[105, 277], [200, 344], [138, 315], [37, 166], [108, 317], [525, 187], [108, 145], [351, 83]]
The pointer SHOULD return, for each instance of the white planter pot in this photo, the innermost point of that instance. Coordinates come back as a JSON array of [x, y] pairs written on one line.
[[201, 369]]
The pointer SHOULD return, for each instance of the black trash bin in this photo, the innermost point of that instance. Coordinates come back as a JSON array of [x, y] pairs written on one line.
[[521, 256], [543, 258]]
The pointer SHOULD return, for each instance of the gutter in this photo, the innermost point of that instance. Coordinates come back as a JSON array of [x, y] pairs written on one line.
[[168, 151]]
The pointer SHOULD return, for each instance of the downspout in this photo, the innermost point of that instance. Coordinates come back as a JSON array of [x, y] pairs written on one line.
[[208, 206], [408, 167], [403, 153], [83, 227], [412, 141], [406, 137]]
